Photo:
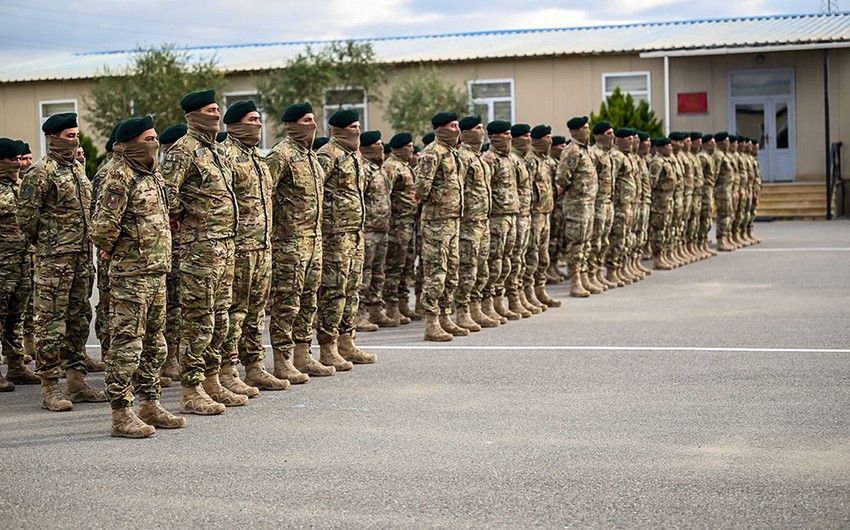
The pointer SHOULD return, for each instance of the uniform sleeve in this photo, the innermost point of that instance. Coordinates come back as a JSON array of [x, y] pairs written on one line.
[[108, 211], [566, 169], [175, 169], [425, 172], [34, 187], [277, 167], [327, 164]]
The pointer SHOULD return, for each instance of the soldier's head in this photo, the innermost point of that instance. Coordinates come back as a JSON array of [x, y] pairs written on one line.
[[521, 138], [137, 141], [81, 155], [244, 122], [603, 133], [708, 143], [733, 143], [202, 112], [559, 143], [402, 146], [62, 126], [678, 140], [579, 129], [624, 139], [371, 146], [472, 132], [754, 150], [171, 135], [26, 155], [499, 132], [644, 144], [722, 140], [664, 146], [428, 138], [446, 128], [541, 139], [345, 128], [300, 124], [696, 142], [10, 156]]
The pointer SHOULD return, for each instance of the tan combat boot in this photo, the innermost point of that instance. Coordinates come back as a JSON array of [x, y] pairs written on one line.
[[152, 413], [395, 314], [51, 396], [434, 332], [29, 348], [351, 353], [613, 276], [125, 424], [164, 382], [20, 374], [589, 287], [284, 370], [479, 317], [363, 323], [659, 263], [577, 290], [406, 311], [535, 309], [515, 306], [93, 365], [449, 326], [171, 368], [543, 296], [594, 281], [490, 312], [304, 362], [377, 317], [499, 307], [602, 280], [257, 376], [329, 356], [641, 268], [212, 386], [552, 275], [79, 391], [723, 244], [531, 296], [707, 247], [6, 386], [465, 320], [195, 400], [230, 380]]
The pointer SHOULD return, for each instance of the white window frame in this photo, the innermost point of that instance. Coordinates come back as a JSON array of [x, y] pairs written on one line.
[[255, 95], [42, 118], [645, 73], [364, 113], [489, 101]]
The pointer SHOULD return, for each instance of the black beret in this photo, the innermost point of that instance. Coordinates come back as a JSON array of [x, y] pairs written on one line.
[[173, 133], [26, 150], [387, 149], [111, 140], [559, 140], [485, 147], [643, 135], [661, 142], [238, 110], [8, 148], [319, 142], [428, 138], [132, 127], [59, 122], [369, 137], [539, 131], [721, 136], [21, 146], [442, 118], [577, 123], [624, 132], [677, 136], [416, 149], [498, 127], [400, 140], [733, 138], [220, 137], [601, 126], [344, 117], [197, 100], [707, 138], [696, 135], [470, 122], [295, 111], [520, 129]]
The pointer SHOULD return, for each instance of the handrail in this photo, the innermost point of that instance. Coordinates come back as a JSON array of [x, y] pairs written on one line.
[[834, 179]]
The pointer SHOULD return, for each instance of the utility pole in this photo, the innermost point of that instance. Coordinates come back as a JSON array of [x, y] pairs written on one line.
[[829, 6]]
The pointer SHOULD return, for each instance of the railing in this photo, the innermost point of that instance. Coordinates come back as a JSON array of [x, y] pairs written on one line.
[[834, 182]]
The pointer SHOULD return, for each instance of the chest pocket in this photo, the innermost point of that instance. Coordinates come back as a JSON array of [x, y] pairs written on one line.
[[67, 194], [150, 210], [302, 175]]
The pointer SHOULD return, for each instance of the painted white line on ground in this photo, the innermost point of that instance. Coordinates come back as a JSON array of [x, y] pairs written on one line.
[[800, 249]]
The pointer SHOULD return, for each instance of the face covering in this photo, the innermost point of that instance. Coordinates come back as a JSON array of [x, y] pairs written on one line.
[[542, 145], [501, 144], [63, 149], [523, 145], [473, 138], [301, 133], [247, 133], [374, 152], [142, 155], [446, 136], [404, 153], [205, 123], [9, 170], [348, 138]]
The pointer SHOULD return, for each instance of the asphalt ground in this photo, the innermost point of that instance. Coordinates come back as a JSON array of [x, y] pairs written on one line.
[[716, 395]]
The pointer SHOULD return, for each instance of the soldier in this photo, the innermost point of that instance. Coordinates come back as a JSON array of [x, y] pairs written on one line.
[[709, 175], [474, 242], [203, 210], [623, 199], [577, 178], [603, 211], [402, 223], [642, 232], [723, 189], [252, 273], [439, 188], [756, 191], [375, 228], [520, 148], [130, 227], [298, 183], [54, 215], [15, 285], [342, 243], [28, 326], [556, 220], [663, 177]]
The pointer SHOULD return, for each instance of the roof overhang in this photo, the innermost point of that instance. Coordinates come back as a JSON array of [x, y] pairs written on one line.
[[743, 50]]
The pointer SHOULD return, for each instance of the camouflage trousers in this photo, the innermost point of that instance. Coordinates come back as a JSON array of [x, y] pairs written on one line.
[[578, 227], [621, 235], [29, 324], [206, 277], [15, 294], [63, 313], [136, 322], [252, 279], [502, 241], [641, 229], [398, 267], [537, 256], [754, 206], [101, 310], [172, 303], [374, 260], [603, 218], [473, 271], [723, 200], [660, 219], [414, 253], [743, 210], [339, 293], [694, 218], [523, 236], [556, 235], [705, 214], [296, 275], [440, 262]]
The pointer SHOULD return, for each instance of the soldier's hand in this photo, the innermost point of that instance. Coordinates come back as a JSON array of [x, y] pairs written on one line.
[[104, 255], [175, 224]]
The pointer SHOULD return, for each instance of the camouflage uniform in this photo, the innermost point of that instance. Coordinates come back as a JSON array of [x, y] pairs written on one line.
[[603, 211], [623, 200], [199, 180], [696, 198], [756, 191], [130, 223], [172, 294], [505, 205], [101, 317], [513, 285], [400, 239], [376, 228], [578, 182], [15, 287], [663, 177], [723, 191], [644, 205], [556, 219], [252, 274], [474, 245], [542, 170], [709, 175], [54, 214]]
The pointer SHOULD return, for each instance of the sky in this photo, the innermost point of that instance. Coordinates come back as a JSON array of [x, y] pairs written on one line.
[[34, 29]]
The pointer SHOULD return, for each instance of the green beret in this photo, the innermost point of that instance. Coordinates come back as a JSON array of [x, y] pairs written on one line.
[[416, 149], [111, 140], [319, 142], [498, 127], [238, 110], [197, 100], [8, 148], [539, 131], [643, 135], [59, 122], [220, 137], [344, 117], [733, 138], [485, 147], [442, 118], [707, 138], [400, 140], [661, 142], [520, 129], [387, 149], [677, 136], [133, 127], [470, 122], [173, 133], [296, 111], [696, 135], [428, 138], [26, 150], [577, 123], [721, 136], [21, 146], [600, 127], [624, 132], [369, 137], [559, 140]]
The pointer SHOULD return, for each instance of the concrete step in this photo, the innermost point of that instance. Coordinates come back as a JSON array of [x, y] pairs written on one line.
[[793, 200]]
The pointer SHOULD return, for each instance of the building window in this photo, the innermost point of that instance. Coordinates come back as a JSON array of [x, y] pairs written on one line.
[[492, 99], [346, 98], [51, 108], [638, 84], [230, 98]]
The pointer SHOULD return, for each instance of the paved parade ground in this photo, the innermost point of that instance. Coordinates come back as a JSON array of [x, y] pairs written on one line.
[[716, 395]]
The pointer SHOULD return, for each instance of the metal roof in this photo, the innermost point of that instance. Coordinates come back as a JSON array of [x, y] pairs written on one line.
[[730, 33]]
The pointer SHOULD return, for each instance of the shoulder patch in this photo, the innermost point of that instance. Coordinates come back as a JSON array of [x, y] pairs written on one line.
[[115, 188], [26, 192], [112, 201]]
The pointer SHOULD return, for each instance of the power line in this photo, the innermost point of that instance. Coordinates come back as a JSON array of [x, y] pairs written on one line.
[[829, 6]]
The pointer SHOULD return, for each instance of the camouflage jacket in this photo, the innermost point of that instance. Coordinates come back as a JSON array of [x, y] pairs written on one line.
[[403, 190], [625, 179], [708, 167], [601, 157], [643, 173], [376, 197], [13, 244], [476, 184], [523, 182], [98, 179], [130, 221], [687, 171], [252, 183], [199, 180], [299, 184], [724, 169], [344, 204], [439, 182], [542, 170], [503, 183], [663, 178], [576, 176], [55, 207]]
